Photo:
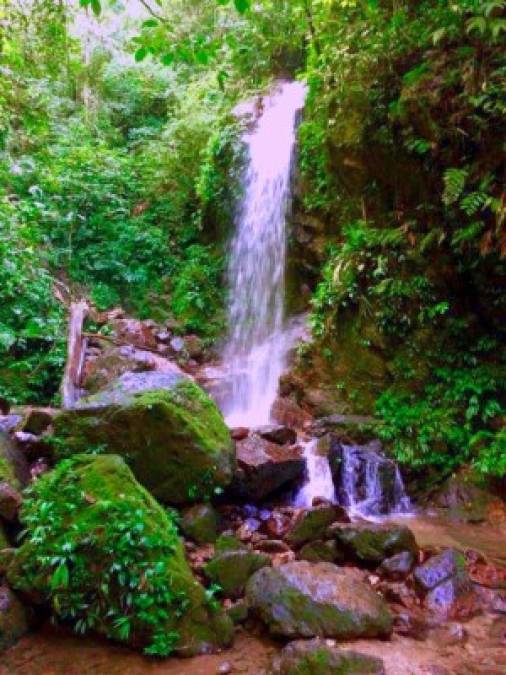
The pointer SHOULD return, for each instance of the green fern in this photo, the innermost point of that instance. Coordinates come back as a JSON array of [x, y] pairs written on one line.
[[454, 182]]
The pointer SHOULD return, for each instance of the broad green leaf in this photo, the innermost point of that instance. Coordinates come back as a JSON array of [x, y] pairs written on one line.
[[141, 54], [242, 5]]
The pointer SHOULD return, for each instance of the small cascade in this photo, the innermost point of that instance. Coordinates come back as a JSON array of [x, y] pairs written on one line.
[[362, 479], [258, 339], [371, 484], [319, 481]]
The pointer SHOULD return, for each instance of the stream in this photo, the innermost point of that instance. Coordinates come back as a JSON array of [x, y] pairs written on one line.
[[482, 650]]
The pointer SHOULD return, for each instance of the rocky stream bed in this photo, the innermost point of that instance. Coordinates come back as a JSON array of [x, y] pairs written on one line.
[[299, 590]]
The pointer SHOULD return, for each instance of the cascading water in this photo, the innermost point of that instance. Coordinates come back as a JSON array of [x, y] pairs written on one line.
[[258, 342], [371, 484], [319, 481], [362, 479]]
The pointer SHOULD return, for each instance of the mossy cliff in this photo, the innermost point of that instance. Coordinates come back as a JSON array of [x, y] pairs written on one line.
[[169, 431], [104, 556]]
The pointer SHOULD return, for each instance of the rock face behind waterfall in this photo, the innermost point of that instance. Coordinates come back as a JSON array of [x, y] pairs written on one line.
[[172, 434]]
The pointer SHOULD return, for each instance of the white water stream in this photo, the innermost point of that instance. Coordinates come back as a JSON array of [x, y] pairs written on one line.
[[258, 341], [319, 482]]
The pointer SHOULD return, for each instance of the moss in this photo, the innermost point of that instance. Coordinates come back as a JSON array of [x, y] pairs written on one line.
[[370, 544], [231, 570], [200, 522], [7, 470], [107, 557], [312, 524], [175, 440]]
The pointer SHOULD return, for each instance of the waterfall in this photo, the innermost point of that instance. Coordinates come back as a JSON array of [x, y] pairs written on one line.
[[359, 477], [319, 481], [370, 484], [258, 343]]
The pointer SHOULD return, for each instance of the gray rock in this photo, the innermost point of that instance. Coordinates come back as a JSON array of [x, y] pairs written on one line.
[[317, 657], [264, 467], [398, 566], [439, 568], [302, 599]]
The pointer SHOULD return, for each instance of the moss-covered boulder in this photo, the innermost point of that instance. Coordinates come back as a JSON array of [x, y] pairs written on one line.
[[302, 599], [313, 523], [167, 428], [321, 551], [370, 543], [232, 569], [13, 618], [316, 657], [102, 553], [201, 522]]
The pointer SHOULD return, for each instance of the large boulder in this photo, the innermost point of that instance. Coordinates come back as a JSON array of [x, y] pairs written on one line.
[[302, 599], [316, 657], [264, 467], [370, 543], [105, 556], [171, 433], [13, 618]]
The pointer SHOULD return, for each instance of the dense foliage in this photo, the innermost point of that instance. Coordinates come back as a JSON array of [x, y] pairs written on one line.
[[116, 164], [77, 531], [402, 142]]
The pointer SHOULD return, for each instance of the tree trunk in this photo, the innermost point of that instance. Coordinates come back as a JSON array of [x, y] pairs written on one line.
[[76, 349]]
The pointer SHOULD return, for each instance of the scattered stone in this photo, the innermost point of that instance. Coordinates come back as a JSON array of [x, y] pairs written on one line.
[[177, 344], [439, 568], [313, 523], [163, 336], [239, 433], [371, 543], [317, 657], [13, 618], [37, 420], [273, 546], [201, 523], [321, 551], [453, 598], [10, 502], [224, 669], [398, 566], [232, 569], [277, 434], [277, 525], [264, 467], [410, 625], [193, 345], [302, 599], [449, 634], [9, 422], [238, 612], [135, 332]]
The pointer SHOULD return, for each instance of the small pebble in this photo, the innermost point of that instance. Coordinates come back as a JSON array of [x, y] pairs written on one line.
[[225, 668]]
